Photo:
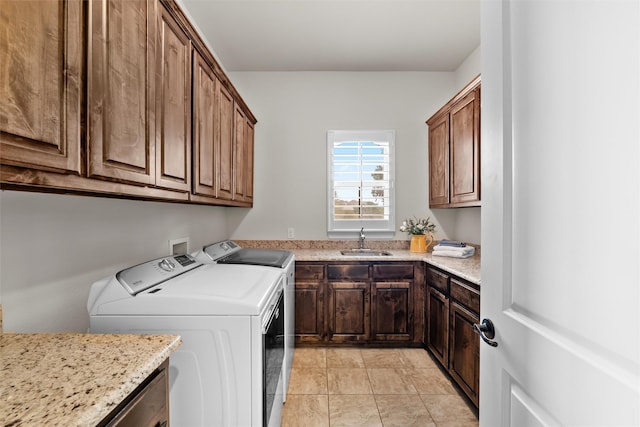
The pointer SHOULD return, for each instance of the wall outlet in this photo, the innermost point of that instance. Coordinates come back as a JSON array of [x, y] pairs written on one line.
[[179, 246], [291, 233]]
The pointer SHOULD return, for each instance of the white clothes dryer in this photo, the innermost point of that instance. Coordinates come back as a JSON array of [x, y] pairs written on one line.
[[228, 370]]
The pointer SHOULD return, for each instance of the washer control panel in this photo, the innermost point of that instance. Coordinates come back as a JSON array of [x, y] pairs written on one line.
[[151, 273], [218, 250]]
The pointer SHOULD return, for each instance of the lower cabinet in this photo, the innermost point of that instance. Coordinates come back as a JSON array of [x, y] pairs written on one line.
[[349, 312], [148, 405], [359, 302], [310, 308], [437, 316], [452, 307]]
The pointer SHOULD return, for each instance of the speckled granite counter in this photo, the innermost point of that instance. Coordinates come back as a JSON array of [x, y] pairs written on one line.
[[329, 250], [72, 379], [467, 268]]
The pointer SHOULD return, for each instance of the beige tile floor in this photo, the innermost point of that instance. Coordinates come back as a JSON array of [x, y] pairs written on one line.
[[372, 387]]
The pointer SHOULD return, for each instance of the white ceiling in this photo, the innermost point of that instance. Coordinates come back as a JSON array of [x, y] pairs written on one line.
[[338, 35]]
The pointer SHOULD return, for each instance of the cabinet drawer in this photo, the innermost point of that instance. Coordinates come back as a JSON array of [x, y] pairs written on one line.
[[438, 280], [348, 272], [148, 407], [309, 271], [392, 271], [466, 295]]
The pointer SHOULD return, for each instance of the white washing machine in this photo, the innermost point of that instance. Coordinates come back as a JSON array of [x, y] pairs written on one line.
[[228, 370], [230, 253]]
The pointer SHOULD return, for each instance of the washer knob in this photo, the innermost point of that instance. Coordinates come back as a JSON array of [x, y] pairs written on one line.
[[167, 265]]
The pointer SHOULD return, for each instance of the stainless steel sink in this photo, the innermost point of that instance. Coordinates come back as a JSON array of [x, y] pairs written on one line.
[[364, 252]]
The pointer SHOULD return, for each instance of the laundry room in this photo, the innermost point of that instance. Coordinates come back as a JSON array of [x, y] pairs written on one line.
[[363, 211]]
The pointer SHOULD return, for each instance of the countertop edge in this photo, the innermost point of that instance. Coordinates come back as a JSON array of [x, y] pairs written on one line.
[[465, 268]]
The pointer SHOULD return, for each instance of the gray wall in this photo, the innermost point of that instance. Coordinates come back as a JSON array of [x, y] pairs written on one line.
[[53, 247], [295, 110]]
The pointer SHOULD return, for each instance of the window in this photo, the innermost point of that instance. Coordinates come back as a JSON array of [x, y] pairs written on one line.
[[360, 188]]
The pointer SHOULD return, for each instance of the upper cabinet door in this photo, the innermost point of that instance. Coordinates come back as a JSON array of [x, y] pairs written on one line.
[[239, 152], [465, 149], [121, 90], [248, 161], [173, 107], [439, 162], [243, 157], [224, 142], [41, 84], [454, 151], [204, 127]]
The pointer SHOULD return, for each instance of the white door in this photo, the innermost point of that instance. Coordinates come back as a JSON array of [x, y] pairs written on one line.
[[561, 212]]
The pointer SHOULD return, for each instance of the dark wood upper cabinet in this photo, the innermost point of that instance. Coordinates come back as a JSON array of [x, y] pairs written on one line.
[[465, 149], [224, 144], [139, 96], [173, 107], [248, 160], [121, 90], [439, 161], [41, 85], [223, 141], [204, 128], [454, 151], [96, 98]]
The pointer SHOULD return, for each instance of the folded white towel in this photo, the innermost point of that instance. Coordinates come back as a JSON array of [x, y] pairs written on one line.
[[453, 252], [461, 250]]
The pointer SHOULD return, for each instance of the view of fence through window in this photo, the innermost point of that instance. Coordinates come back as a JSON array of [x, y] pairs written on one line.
[[361, 180]]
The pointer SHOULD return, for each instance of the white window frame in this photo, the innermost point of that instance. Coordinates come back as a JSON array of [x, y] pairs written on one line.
[[380, 229]]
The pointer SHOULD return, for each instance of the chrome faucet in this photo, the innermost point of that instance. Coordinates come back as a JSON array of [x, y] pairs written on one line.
[[362, 238]]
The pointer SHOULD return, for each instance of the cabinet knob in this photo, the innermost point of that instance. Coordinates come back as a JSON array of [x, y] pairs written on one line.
[[486, 331]]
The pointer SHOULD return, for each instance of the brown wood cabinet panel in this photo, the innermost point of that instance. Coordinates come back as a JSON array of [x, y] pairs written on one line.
[[437, 313], [439, 161], [239, 153], [204, 128], [438, 280], [248, 161], [392, 271], [173, 108], [348, 271], [41, 83], [224, 144], [121, 90], [465, 294], [392, 311], [309, 324], [310, 271], [465, 149], [349, 311], [464, 363]]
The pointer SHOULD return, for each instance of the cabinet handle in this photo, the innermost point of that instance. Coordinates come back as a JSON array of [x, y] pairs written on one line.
[[486, 331]]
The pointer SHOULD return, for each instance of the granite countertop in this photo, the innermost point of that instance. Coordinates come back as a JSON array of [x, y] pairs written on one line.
[[465, 268], [72, 379], [329, 250]]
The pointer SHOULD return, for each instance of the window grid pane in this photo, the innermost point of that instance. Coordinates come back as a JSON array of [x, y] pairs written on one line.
[[361, 180]]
